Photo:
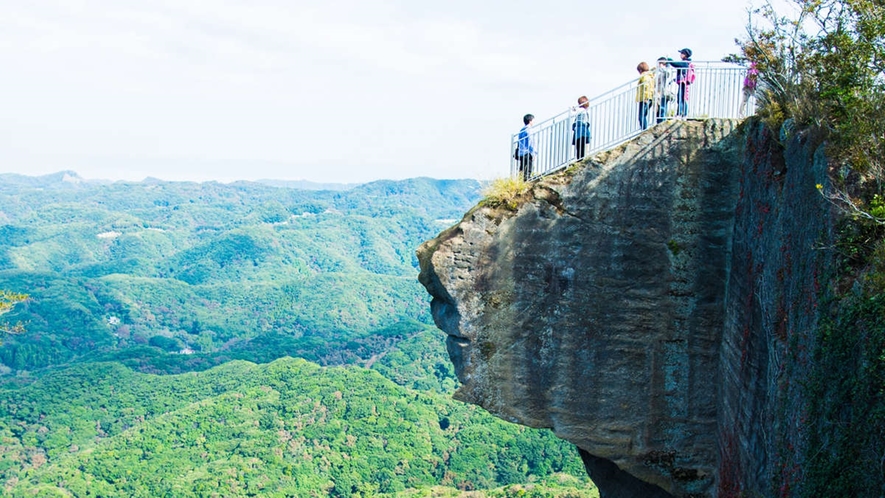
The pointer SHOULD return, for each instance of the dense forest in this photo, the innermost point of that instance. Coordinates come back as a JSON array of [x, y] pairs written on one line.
[[288, 428], [206, 268], [185, 339]]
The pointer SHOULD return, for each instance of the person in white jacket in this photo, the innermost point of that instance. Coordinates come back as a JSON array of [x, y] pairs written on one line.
[[581, 127], [664, 90]]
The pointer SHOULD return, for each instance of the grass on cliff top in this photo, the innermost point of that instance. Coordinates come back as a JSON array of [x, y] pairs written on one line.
[[505, 192]]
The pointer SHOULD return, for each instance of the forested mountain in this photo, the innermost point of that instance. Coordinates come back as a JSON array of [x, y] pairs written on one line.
[[146, 297], [204, 268], [288, 428]]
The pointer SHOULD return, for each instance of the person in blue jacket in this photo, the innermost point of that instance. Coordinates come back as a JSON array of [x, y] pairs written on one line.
[[525, 148]]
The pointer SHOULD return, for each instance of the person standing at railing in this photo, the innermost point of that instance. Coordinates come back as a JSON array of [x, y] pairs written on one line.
[[684, 80], [663, 83], [581, 127], [525, 148], [645, 93], [750, 81]]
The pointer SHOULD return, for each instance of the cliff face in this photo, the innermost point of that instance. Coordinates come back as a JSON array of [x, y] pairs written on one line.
[[781, 260], [631, 305]]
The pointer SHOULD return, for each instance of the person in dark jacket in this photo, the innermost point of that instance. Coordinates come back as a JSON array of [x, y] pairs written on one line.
[[684, 80]]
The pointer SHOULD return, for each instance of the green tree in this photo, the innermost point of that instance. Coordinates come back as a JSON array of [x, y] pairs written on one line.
[[823, 66], [8, 300]]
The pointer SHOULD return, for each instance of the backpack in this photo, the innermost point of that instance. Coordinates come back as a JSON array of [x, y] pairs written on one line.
[[689, 73], [582, 131], [581, 127]]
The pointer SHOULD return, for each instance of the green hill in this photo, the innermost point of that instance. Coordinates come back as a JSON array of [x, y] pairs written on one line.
[[207, 268], [160, 331], [287, 428]]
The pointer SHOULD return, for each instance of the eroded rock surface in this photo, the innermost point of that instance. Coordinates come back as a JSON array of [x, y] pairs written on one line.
[[656, 306], [595, 307]]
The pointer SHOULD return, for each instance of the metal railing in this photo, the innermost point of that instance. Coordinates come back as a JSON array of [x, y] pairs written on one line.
[[717, 92]]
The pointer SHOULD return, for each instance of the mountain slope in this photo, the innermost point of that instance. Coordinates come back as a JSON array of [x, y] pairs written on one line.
[[204, 268], [284, 428]]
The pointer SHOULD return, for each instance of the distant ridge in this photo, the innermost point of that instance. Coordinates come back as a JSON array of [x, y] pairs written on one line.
[[62, 180], [70, 179], [307, 185]]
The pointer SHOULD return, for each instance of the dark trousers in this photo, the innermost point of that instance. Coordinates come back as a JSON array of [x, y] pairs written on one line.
[[682, 103], [580, 147], [643, 113], [525, 166]]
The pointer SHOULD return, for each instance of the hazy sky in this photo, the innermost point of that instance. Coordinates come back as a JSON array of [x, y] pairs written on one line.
[[331, 91]]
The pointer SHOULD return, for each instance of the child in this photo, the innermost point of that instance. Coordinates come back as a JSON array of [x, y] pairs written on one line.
[[645, 92]]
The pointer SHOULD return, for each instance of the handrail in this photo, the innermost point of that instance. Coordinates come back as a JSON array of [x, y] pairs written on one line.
[[717, 92]]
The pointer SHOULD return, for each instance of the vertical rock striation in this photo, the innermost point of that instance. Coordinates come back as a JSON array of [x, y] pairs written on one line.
[[598, 306], [781, 259]]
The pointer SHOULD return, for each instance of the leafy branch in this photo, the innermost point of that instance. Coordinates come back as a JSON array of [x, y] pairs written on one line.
[[843, 201]]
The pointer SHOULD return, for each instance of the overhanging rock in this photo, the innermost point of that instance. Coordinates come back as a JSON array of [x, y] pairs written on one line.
[[594, 305]]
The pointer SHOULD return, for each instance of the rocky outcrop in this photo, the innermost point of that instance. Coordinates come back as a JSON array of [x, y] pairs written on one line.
[[608, 303]]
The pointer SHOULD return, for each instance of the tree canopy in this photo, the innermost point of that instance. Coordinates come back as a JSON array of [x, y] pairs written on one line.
[[822, 64]]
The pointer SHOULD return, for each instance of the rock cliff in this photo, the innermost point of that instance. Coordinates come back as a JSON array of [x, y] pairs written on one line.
[[637, 305]]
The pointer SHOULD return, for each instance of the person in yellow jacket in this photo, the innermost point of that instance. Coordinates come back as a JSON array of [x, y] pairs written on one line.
[[645, 93]]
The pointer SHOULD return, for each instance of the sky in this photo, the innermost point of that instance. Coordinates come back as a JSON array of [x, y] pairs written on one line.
[[328, 91]]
